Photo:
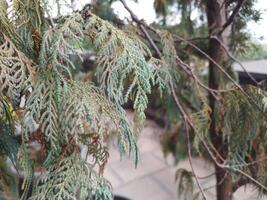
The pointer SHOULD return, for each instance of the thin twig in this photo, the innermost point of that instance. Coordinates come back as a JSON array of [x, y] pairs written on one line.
[[232, 16], [225, 49], [234, 59], [252, 101], [250, 163], [50, 19], [213, 61], [221, 181], [184, 66], [221, 165], [207, 176], [142, 27], [184, 115]]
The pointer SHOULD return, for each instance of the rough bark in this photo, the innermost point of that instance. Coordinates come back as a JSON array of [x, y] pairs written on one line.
[[216, 20]]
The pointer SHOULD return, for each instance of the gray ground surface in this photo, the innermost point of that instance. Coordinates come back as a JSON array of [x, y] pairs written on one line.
[[154, 178]]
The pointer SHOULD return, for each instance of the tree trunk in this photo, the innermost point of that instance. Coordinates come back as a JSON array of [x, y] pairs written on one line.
[[216, 19]]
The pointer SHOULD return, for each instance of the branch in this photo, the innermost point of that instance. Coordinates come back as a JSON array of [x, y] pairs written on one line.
[[225, 49], [207, 147], [142, 27], [251, 100], [234, 59], [213, 61], [221, 181], [242, 181], [185, 118], [180, 63], [232, 16]]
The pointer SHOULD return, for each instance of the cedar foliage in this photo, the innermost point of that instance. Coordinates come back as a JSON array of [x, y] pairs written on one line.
[[35, 65]]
